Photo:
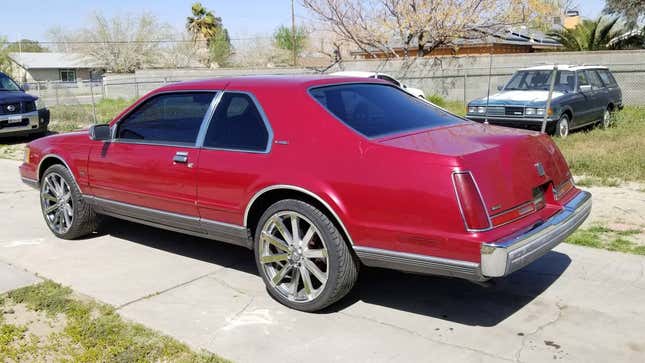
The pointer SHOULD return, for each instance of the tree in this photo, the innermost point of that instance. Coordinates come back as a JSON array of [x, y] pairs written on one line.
[[219, 48], [382, 25], [632, 10], [26, 45], [208, 30], [537, 14], [284, 39], [600, 34], [121, 43]]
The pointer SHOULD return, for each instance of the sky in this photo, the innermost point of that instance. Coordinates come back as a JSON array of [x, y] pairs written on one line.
[[243, 18]]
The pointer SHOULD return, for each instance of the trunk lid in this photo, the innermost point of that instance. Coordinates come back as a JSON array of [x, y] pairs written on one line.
[[509, 165]]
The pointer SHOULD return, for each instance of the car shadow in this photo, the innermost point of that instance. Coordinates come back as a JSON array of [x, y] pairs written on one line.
[[438, 297]]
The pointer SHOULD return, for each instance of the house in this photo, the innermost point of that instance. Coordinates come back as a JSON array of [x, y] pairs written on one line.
[[64, 67], [489, 40]]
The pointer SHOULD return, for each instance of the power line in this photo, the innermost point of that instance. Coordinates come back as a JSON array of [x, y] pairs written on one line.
[[164, 41]]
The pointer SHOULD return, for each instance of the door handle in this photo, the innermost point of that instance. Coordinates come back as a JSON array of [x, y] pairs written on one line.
[[180, 157]]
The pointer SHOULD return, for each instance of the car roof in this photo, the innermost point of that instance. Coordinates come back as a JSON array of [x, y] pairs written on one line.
[[360, 74], [563, 67], [267, 81]]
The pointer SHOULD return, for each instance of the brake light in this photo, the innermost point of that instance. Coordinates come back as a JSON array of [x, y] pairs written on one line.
[[561, 190], [470, 202]]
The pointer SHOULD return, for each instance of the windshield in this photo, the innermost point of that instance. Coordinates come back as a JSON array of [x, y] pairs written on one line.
[[7, 84], [541, 80], [375, 110]]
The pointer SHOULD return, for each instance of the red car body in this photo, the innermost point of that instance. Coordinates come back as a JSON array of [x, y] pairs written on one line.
[[394, 197]]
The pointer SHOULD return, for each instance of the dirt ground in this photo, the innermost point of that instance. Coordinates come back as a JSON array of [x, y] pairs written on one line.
[[619, 208]]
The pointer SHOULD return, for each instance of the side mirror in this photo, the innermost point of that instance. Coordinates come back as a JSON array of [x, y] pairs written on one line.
[[585, 88], [26, 87], [500, 87], [100, 132]]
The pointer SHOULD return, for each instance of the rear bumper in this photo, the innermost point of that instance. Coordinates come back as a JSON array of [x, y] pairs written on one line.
[[497, 258], [511, 254]]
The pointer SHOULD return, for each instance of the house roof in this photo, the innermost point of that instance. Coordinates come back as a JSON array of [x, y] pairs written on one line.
[[53, 60], [497, 35]]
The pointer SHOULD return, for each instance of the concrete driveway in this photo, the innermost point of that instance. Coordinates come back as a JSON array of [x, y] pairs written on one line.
[[576, 304]]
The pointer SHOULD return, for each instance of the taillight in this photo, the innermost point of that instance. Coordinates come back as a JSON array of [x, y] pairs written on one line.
[[561, 190], [470, 202]]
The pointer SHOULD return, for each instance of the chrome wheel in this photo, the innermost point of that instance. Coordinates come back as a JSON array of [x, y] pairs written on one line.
[[562, 128], [293, 255], [606, 119], [57, 203]]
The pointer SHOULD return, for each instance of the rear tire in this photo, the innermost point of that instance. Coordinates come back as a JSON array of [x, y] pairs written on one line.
[[606, 119], [65, 212], [562, 127], [307, 270]]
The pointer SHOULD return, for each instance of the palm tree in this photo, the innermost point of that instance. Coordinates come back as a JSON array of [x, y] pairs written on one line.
[[600, 34], [204, 25]]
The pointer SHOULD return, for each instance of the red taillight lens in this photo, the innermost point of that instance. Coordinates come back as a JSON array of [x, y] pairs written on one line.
[[470, 202]]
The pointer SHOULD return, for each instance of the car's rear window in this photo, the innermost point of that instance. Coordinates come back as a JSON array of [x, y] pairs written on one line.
[[376, 110]]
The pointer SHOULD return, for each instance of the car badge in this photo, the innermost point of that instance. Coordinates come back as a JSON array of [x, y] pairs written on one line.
[[11, 108], [540, 169]]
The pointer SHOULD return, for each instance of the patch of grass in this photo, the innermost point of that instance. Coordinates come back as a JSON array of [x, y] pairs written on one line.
[[607, 238], [615, 153], [587, 181], [94, 332], [66, 118]]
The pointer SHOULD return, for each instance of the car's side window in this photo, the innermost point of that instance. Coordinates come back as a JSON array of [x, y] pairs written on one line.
[[173, 118], [237, 124], [594, 79], [582, 79], [607, 78]]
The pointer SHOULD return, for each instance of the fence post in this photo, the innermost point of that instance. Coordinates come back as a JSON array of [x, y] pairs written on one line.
[[93, 103], [56, 91], [136, 87], [465, 83]]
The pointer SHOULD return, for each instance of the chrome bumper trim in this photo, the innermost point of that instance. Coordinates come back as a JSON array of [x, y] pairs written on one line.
[[33, 121], [506, 256]]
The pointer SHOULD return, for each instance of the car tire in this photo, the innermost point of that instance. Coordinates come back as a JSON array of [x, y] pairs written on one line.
[[561, 129], [65, 212], [605, 123], [292, 268]]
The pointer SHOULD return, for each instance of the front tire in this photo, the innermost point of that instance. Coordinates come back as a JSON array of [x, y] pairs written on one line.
[[302, 257], [562, 127], [65, 212]]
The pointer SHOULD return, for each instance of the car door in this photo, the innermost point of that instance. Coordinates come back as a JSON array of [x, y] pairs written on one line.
[[599, 96], [234, 154], [150, 161], [581, 102], [613, 91]]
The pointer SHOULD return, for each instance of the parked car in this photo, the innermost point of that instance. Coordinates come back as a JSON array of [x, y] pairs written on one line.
[[316, 175], [18, 112], [387, 78], [583, 95]]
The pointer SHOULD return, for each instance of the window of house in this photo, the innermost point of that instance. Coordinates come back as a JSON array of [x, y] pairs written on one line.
[[237, 124], [68, 75], [173, 118]]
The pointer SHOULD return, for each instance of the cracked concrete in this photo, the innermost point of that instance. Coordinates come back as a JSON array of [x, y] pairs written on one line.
[[575, 304]]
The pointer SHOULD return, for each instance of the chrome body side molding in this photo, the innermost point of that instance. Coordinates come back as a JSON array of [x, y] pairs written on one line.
[[420, 264], [194, 226]]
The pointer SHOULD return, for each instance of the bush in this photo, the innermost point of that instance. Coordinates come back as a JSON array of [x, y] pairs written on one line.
[[437, 100]]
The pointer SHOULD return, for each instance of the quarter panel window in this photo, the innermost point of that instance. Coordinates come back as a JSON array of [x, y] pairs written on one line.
[[237, 124], [167, 118]]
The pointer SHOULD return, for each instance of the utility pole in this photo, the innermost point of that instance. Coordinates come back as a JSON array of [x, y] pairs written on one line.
[[293, 34]]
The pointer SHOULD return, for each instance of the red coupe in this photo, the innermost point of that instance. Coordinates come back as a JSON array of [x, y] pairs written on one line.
[[317, 175]]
